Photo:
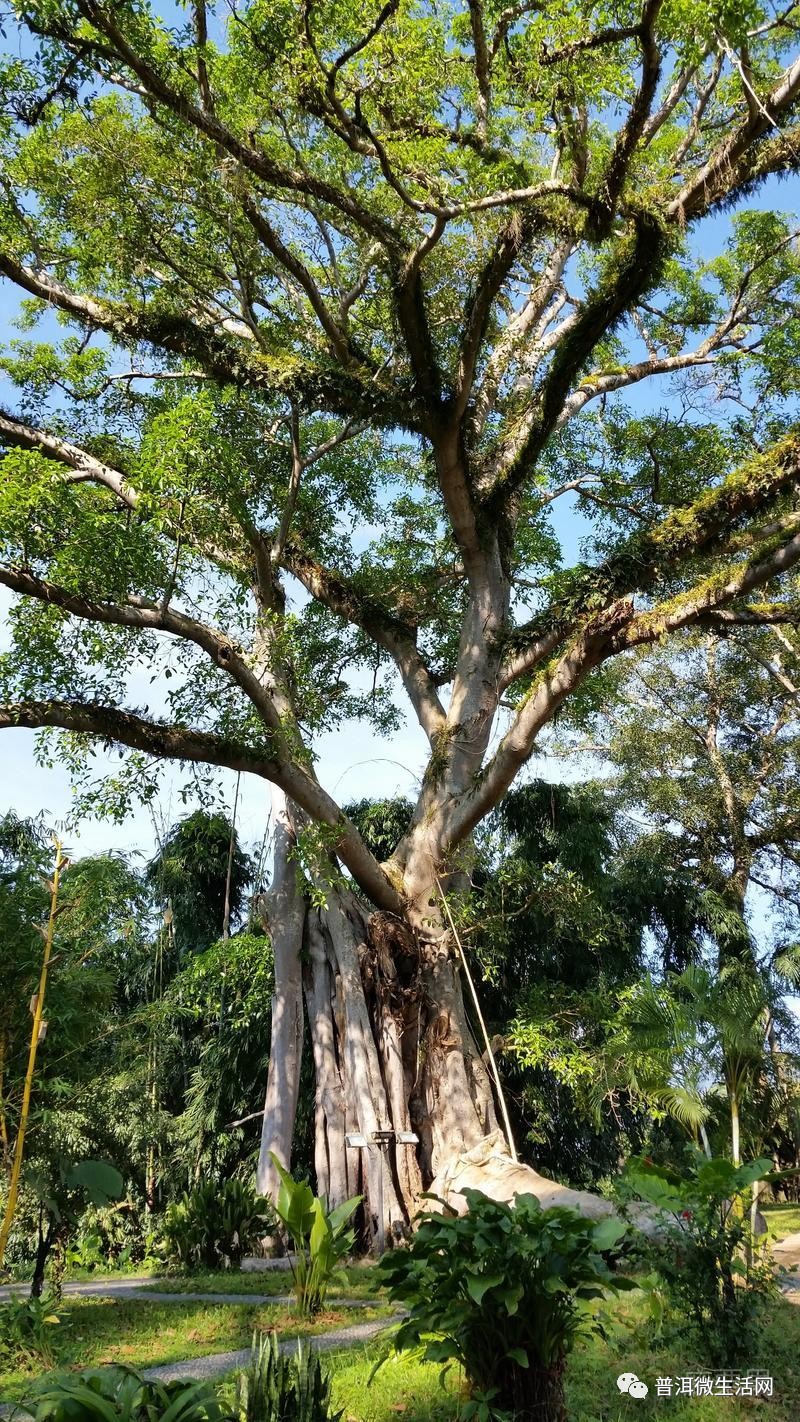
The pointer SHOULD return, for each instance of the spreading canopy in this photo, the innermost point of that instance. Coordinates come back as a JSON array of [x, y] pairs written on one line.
[[330, 309]]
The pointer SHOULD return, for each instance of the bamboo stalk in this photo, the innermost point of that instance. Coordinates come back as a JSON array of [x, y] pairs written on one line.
[[3, 1125], [226, 919], [16, 1169]]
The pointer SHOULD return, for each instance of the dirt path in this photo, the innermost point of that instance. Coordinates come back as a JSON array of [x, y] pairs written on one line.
[[106, 1288]]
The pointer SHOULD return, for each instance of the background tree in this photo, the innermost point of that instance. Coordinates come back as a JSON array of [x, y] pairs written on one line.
[[163, 1118], [700, 748], [320, 270], [214, 1025], [705, 745], [568, 908], [189, 876], [23, 905], [700, 1035], [82, 1113]]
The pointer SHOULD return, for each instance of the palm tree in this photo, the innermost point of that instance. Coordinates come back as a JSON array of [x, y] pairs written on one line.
[[696, 1035]]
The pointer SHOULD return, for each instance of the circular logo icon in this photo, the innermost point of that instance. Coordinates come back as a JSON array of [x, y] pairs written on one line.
[[628, 1382]]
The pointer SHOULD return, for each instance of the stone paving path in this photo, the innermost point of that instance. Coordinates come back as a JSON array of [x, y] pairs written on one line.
[[106, 1288], [215, 1364], [787, 1256], [137, 1288]]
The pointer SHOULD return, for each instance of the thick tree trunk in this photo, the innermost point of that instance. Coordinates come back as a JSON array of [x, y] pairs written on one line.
[[337, 1171], [284, 911], [393, 1051], [353, 999], [459, 1109]]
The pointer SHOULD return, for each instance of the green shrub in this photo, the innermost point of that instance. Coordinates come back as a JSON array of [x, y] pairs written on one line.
[[119, 1394], [212, 1227], [26, 1328], [503, 1291], [716, 1273], [321, 1237], [276, 1388], [110, 1237], [86, 1253]]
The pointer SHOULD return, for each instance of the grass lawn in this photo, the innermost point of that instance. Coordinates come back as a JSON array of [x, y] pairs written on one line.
[[782, 1220], [97, 1331], [94, 1331], [407, 1388], [402, 1388], [593, 1395], [362, 1282]]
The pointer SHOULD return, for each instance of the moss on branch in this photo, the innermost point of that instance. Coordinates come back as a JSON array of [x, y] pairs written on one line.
[[653, 555]]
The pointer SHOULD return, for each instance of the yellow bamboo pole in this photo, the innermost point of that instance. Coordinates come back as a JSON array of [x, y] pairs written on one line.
[[16, 1169], [3, 1127]]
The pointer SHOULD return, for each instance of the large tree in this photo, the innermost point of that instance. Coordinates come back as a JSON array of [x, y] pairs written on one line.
[[705, 745], [350, 298]]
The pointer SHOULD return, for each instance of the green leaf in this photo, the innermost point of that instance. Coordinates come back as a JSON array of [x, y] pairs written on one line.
[[341, 1214], [607, 1233], [519, 1356], [479, 1284], [101, 1181]]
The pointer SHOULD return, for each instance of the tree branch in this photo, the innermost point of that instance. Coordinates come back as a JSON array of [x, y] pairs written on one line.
[[86, 468], [385, 629], [633, 128], [672, 98], [737, 160], [482, 66], [112, 725], [375, 28], [777, 833], [228, 359], [751, 617], [207, 124], [637, 268], [691, 607], [593, 386], [201, 40], [775, 670], [287, 515], [615, 630], [612, 34], [540, 706], [390, 632], [653, 554], [521, 324], [511, 241], [266, 233], [704, 96], [137, 613]]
